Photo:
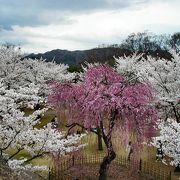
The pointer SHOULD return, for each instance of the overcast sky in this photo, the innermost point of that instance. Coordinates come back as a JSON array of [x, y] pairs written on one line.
[[43, 25]]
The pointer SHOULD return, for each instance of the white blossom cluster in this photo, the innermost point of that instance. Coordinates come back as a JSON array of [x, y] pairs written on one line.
[[170, 140], [129, 66], [41, 72], [28, 75], [18, 165], [162, 74], [22, 84]]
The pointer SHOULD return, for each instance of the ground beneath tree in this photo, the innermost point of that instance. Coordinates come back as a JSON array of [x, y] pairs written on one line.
[[90, 172]]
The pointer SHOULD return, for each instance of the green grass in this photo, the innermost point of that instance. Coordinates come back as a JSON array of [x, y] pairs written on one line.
[[48, 116]]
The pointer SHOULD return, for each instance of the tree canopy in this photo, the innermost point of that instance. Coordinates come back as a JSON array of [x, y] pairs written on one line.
[[106, 99]]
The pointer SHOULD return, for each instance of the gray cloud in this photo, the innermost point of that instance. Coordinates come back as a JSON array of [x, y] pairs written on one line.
[[11, 37], [43, 12], [42, 25]]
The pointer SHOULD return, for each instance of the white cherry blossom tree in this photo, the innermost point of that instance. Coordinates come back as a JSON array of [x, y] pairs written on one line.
[[162, 74], [164, 77], [23, 82]]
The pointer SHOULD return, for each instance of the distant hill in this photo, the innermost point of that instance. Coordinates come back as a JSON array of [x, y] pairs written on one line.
[[103, 55], [74, 58], [141, 42]]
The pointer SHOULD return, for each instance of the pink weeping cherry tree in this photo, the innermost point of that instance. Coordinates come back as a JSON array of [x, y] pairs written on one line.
[[104, 98]]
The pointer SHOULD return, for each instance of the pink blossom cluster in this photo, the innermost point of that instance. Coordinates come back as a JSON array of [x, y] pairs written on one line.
[[101, 92]]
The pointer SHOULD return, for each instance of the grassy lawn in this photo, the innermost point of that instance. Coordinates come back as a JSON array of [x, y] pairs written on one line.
[[147, 153]]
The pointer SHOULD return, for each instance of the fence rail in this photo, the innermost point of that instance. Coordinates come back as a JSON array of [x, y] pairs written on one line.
[[153, 169]]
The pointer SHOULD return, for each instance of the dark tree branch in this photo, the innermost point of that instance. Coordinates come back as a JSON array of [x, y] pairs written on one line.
[[71, 126], [19, 150]]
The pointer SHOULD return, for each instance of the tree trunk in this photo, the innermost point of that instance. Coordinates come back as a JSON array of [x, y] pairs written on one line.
[[175, 113], [106, 161], [100, 146], [111, 155]]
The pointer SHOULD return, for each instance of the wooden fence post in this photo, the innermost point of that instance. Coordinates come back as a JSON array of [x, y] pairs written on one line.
[[140, 165], [73, 160], [49, 174], [170, 175]]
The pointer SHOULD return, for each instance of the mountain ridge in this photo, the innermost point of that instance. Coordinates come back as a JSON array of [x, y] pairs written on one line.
[[78, 57]]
